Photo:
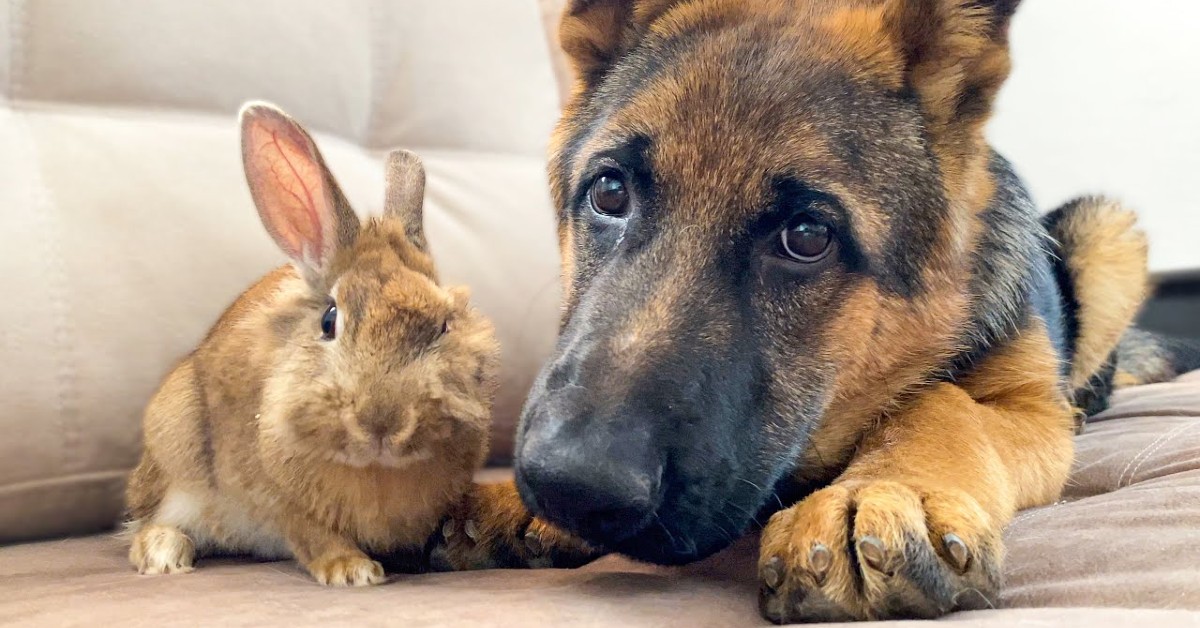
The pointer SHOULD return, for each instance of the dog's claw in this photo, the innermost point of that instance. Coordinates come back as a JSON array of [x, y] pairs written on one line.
[[873, 552], [957, 550], [772, 573], [842, 561], [533, 543], [820, 559], [448, 529], [471, 530]]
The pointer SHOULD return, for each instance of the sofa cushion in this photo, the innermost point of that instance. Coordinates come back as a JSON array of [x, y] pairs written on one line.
[[1127, 531], [449, 74], [1124, 537]]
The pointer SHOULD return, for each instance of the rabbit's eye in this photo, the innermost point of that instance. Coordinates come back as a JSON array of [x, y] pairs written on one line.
[[329, 322]]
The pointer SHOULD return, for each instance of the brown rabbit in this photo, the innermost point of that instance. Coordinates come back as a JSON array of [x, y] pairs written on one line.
[[340, 406]]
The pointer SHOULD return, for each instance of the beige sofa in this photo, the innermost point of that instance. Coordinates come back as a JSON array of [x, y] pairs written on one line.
[[127, 227]]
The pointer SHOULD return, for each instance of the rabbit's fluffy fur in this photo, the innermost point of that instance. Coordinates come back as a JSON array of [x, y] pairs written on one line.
[[275, 440]]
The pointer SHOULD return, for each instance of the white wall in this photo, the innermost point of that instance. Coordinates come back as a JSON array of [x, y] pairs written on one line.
[[1105, 97]]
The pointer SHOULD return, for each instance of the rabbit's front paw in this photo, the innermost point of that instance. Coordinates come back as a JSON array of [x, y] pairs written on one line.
[[347, 570], [159, 549]]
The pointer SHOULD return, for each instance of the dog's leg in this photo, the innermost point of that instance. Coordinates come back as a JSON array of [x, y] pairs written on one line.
[[913, 526], [491, 528]]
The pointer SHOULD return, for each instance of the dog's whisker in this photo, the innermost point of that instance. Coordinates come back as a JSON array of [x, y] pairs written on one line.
[[745, 511], [727, 533], [670, 537], [754, 516], [757, 487], [734, 536]]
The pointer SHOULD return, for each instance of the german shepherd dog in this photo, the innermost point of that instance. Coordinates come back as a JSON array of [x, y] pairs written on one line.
[[799, 283]]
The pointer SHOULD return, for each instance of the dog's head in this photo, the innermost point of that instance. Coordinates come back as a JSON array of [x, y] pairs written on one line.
[[766, 214]]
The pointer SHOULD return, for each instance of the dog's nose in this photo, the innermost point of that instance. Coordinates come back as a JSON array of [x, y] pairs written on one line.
[[597, 500], [605, 488]]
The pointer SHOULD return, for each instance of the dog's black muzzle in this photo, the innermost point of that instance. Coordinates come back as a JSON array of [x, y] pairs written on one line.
[[600, 476], [659, 465]]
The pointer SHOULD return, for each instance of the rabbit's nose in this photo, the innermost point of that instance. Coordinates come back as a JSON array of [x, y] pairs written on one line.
[[378, 425]]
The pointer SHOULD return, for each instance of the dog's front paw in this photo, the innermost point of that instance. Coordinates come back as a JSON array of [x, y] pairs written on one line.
[[878, 550], [491, 529], [347, 570]]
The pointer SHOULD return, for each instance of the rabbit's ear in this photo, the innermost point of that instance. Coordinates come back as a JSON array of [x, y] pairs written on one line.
[[299, 202], [406, 194]]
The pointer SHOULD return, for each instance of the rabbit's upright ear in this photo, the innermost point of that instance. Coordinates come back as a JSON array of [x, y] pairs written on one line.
[[299, 202], [406, 194]]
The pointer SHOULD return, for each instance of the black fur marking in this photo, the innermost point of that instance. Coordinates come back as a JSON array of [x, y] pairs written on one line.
[[1066, 287], [1151, 357], [1182, 354], [1013, 276], [1092, 399], [1046, 302]]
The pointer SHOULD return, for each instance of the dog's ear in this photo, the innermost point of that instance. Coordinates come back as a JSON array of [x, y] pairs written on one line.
[[595, 33], [955, 56]]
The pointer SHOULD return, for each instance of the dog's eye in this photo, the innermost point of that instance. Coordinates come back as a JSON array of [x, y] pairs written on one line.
[[806, 240], [445, 327], [609, 196], [329, 322]]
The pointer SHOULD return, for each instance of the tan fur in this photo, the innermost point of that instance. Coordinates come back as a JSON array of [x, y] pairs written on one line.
[[857, 31], [566, 251], [961, 460], [1125, 379], [911, 458], [916, 333], [263, 440], [593, 33], [1106, 256]]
